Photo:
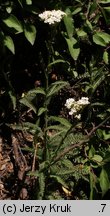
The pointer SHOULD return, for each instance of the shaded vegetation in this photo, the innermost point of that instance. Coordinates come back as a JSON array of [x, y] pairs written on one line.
[[45, 153]]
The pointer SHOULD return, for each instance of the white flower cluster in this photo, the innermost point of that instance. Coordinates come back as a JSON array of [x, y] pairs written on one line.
[[76, 106], [52, 17]]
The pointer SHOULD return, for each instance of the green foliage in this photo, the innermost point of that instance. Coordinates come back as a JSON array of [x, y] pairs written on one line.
[[13, 22], [104, 181], [28, 103], [73, 47], [8, 42], [101, 38], [30, 33], [55, 87], [70, 59], [105, 57], [68, 21]]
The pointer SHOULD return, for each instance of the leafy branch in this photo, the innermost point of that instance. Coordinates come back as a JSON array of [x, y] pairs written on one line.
[[79, 144]]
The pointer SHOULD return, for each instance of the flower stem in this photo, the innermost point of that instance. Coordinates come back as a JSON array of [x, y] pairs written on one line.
[[46, 116]]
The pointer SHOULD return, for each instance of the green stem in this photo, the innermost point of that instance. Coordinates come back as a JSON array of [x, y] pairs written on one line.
[[46, 115], [46, 73]]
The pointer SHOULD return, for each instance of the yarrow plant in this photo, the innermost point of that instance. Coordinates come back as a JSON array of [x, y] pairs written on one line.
[[76, 106], [52, 17]]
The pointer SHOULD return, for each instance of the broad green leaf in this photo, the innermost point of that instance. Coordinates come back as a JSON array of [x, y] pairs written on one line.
[[13, 22], [67, 163], [73, 47], [56, 62], [100, 133], [81, 33], [29, 2], [9, 9], [41, 111], [8, 42], [107, 8], [99, 40], [63, 121], [91, 152], [104, 181], [105, 57], [76, 11], [104, 1], [97, 158], [32, 93], [36, 91], [68, 21], [28, 103], [55, 87], [89, 25], [75, 73], [106, 136], [107, 157], [105, 36], [30, 33]]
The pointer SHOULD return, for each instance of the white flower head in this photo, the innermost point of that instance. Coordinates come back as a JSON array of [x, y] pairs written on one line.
[[52, 17], [76, 106], [72, 111], [78, 116], [83, 101], [69, 103]]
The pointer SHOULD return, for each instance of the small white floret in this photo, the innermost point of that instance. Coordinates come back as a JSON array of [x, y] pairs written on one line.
[[52, 17]]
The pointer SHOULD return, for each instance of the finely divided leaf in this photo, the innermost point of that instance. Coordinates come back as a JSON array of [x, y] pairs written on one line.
[[41, 188], [59, 180]]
